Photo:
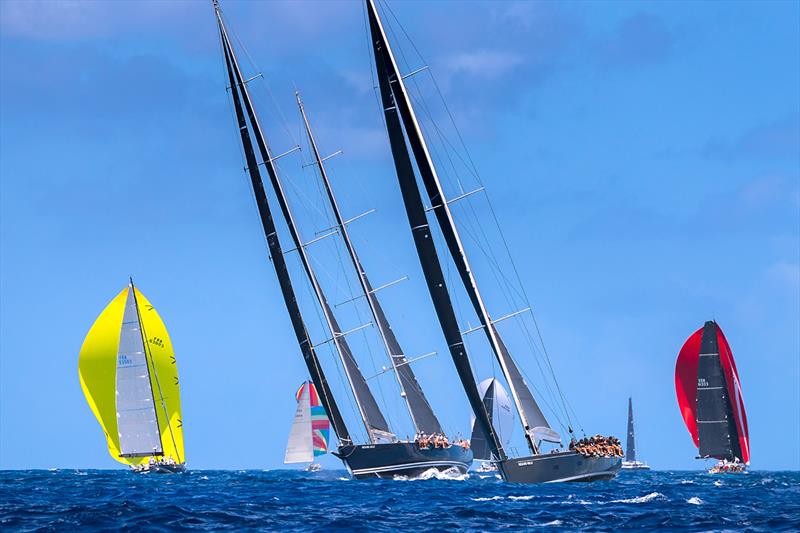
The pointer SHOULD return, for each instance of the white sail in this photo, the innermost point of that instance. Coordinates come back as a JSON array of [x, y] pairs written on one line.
[[300, 448], [501, 414], [137, 423]]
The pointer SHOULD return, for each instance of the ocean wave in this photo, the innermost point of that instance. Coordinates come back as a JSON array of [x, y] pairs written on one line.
[[642, 499], [489, 499], [694, 500], [687, 482], [718, 483], [552, 523], [524, 498]]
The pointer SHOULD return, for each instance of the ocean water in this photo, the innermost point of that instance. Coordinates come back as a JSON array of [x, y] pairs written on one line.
[[329, 500]]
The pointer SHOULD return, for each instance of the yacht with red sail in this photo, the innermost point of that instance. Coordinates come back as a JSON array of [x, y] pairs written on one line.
[[710, 398]]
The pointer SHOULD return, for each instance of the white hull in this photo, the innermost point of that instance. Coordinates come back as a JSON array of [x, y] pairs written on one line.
[[635, 465]]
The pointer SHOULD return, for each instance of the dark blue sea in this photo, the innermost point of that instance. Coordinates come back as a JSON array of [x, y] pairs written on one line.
[[328, 500]]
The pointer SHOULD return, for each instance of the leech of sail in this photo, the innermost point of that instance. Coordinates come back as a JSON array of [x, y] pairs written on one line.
[[373, 419], [422, 414], [278, 261], [530, 414]]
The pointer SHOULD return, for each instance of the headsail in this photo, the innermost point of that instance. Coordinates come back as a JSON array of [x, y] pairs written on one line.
[[501, 413], [97, 369], [710, 396]]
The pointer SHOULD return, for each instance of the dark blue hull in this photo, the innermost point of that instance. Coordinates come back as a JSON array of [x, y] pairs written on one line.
[[401, 459], [565, 466]]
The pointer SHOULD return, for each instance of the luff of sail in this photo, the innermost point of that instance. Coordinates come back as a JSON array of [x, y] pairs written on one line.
[[97, 369], [422, 414], [498, 405], [371, 415], [532, 420]]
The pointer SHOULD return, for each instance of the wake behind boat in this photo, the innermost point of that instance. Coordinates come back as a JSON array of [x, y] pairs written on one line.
[[129, 376], [710, 398]]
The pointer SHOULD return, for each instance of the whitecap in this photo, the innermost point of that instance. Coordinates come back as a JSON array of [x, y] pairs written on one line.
[[343, 479], [451, 474], [493, 498], [694, 500], [687, 482], [641, 499], [553, 523], [528, 497], [204, 477], [718, 483]]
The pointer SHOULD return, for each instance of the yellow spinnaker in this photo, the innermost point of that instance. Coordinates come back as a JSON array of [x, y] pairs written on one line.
[[97, 366]]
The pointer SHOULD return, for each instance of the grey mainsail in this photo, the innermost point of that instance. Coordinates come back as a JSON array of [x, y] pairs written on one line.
[[716, 427], [422, 414], [630, 449], [137, 422]]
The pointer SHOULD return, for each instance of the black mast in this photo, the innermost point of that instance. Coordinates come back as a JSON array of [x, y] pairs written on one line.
[[276, 253], [423, 240], [716, 425]]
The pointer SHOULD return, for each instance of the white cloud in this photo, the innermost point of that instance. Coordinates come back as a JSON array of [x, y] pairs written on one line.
[[488, 64]]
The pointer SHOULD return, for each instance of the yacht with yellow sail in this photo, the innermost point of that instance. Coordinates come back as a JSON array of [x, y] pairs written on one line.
[[129, 376]]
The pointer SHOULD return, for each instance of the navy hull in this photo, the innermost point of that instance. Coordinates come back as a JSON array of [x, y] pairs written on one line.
[[564, 466], [401, 459]]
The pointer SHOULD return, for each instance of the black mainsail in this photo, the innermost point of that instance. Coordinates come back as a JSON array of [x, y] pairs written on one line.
[[422, 414], [275, 250], [396, 100], [388, 77], [630, 448], [716, 424], [373, 419]]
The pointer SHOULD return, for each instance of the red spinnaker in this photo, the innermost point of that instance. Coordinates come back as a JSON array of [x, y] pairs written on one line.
[[686, 387]]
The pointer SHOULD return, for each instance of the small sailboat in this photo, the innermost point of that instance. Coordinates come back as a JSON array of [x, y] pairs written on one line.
[[501, 414], [309, 436], [630, 462], [129, 376], [710, 398]]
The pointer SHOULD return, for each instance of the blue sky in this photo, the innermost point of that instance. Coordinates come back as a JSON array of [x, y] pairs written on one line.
[[643, 160]]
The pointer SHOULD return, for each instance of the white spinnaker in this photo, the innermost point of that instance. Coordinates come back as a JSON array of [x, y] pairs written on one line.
[[137, 423], [300, 448], [502, 415]]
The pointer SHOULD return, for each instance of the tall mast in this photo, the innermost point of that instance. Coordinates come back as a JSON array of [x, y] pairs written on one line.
[[276, 253], [423, 240], [374, 421], [418, 407], [523, 400]]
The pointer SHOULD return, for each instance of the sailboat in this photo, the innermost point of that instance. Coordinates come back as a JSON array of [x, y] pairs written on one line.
[[710, 399], [630, 462], [129, 376], [501, 414], [308, 438], [401, 123], [385, 455]]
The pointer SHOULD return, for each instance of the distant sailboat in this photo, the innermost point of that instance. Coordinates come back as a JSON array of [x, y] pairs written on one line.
[[710, 398], [501, 414], [309, 436], [630, 462], [129, 376]]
